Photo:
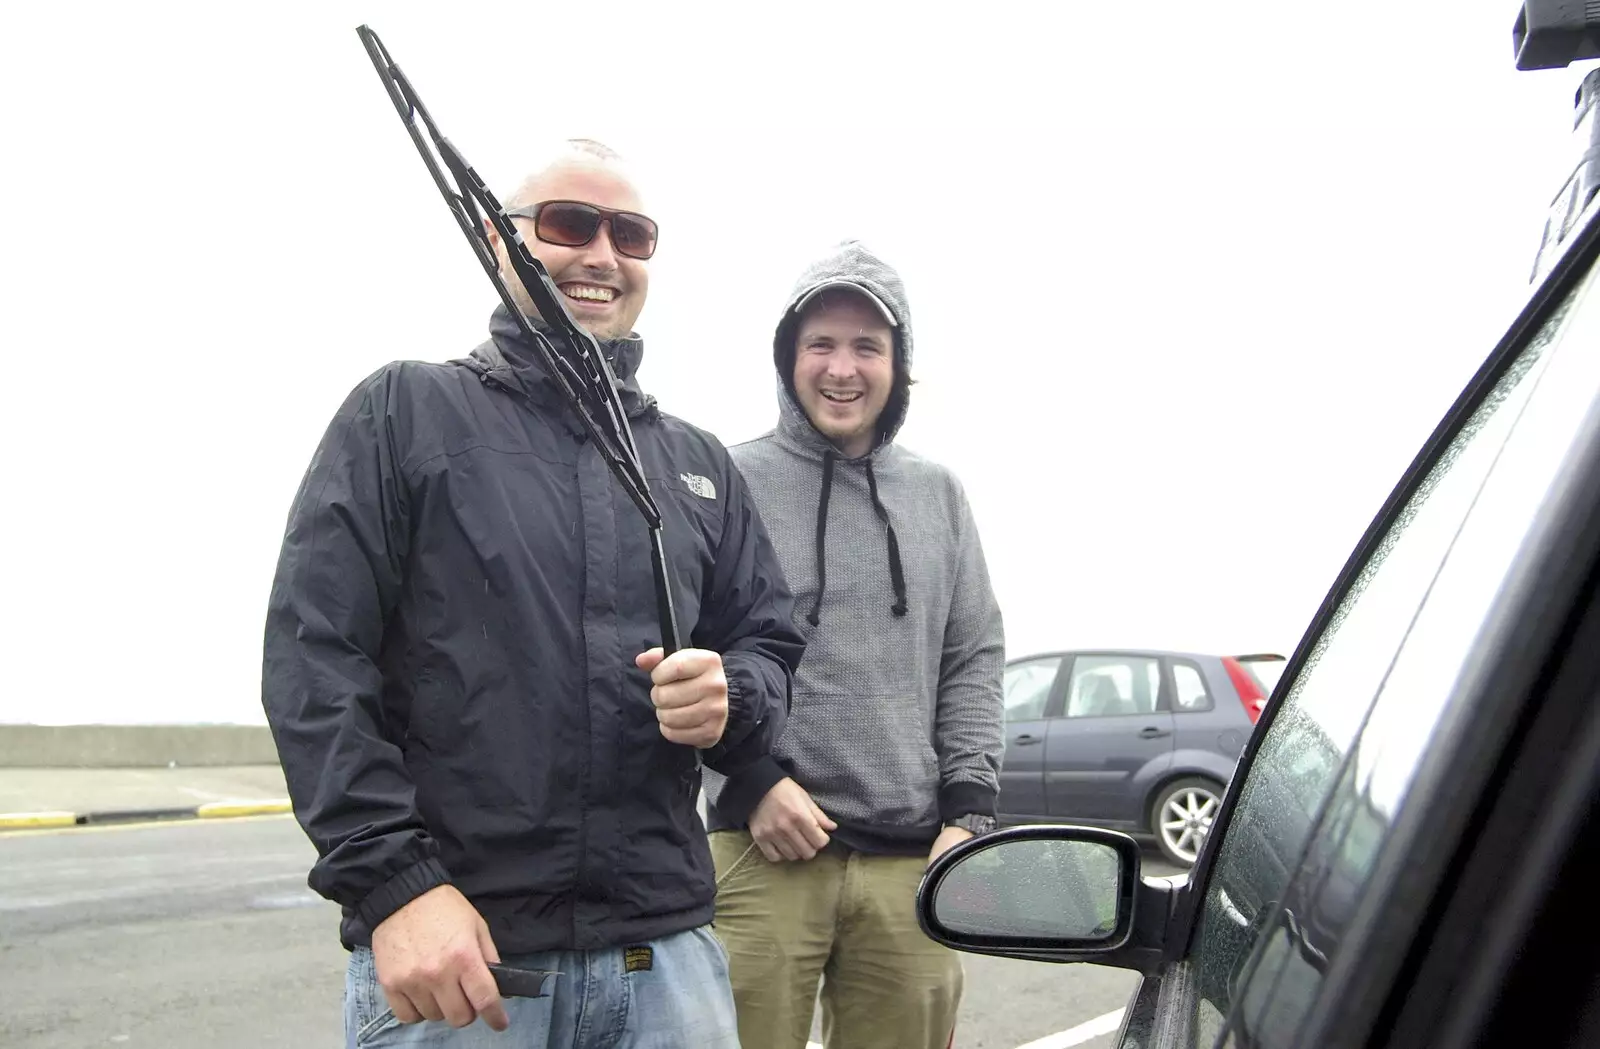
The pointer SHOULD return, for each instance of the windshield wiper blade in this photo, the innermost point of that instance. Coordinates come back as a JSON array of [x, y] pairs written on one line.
[[573, 357]]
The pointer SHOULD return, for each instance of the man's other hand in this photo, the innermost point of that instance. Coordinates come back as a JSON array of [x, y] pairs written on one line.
[[690, 694], [788, 825], [432, 958], [948, 839]]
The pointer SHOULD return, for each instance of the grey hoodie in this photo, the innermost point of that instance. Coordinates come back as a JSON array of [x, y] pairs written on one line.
[[896, 716]]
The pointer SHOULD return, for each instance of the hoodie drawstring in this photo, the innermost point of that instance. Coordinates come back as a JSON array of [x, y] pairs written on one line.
[[815, 615], [897, 574]]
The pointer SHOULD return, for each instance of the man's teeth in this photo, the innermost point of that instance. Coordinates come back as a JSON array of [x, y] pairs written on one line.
[[843, 398], [579, 291]]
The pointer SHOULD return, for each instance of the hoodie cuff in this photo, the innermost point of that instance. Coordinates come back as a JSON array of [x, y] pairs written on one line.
[[742, 793], [401, 890], [965, 798]]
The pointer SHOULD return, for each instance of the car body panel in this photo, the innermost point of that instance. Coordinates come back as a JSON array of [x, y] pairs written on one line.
[[1022, 771], [1100, 769]]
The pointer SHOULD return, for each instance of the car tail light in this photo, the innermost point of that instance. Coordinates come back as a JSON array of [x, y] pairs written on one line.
[[1250, 694]]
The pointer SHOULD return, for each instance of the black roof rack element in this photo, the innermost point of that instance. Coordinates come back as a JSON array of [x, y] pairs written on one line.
[[1570, 206], [1553, 34]]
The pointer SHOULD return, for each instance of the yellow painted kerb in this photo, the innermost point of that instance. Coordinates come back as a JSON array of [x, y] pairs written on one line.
[[12, 820], [225, 809]]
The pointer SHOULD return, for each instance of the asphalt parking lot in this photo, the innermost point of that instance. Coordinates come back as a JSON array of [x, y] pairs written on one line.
[[203, 933]]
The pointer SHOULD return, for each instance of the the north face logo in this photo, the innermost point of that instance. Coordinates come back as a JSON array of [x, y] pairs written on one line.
[[700, 486]]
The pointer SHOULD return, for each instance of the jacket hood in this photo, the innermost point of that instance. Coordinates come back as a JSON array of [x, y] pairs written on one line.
[[849, 262], [510, 359]]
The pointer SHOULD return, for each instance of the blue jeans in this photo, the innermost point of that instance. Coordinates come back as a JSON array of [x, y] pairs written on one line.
[[682, 1001]]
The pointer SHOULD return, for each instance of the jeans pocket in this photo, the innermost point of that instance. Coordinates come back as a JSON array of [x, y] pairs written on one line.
[[376, 1026], [709, 934], [367, 1011]]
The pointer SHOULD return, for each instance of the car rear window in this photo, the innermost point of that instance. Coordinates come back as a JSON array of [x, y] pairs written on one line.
[[1266, 670]]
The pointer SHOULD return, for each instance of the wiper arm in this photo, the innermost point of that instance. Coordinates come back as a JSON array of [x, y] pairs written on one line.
[[573, 359]]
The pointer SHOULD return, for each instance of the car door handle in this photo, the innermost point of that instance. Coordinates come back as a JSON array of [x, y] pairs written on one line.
[[1026, 738], [1151, 732], [1308, 951]]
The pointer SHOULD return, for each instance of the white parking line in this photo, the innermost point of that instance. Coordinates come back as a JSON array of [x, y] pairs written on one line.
[[1105, 1024]]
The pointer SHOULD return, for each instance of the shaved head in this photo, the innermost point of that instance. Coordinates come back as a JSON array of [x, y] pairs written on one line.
[[566, 156]]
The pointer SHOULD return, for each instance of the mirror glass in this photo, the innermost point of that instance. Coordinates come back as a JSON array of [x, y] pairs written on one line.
[[1032, 889]]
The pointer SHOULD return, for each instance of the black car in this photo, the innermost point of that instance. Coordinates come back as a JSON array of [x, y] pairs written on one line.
[[1406, 852]]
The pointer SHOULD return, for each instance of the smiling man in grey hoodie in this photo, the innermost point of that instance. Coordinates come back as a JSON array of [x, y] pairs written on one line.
[[893, 744]]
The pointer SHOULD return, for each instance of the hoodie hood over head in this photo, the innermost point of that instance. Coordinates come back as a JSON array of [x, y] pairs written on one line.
[[849, 263]]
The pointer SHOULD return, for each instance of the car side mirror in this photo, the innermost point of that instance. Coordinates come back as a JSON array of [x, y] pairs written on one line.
[[1048, 893]]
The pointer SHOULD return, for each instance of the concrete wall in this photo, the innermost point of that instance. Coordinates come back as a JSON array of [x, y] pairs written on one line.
[[134, 746]]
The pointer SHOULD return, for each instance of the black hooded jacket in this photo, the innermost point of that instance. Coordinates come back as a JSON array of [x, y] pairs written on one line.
[[448, 668]]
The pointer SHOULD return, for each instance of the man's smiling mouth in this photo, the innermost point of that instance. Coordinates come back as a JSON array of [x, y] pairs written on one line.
[[588, 292], [842, 396]]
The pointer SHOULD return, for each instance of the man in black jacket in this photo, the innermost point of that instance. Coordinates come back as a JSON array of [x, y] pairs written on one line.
[[463, 677]]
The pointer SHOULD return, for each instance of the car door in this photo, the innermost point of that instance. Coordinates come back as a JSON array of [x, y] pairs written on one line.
[[1112, 739], [1363, 779], [1029, 687], [1405, 856]]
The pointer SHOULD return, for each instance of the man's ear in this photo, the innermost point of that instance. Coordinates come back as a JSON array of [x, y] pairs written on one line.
[[494, 243]]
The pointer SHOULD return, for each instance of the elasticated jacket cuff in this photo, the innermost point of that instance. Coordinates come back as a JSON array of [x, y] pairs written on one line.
[[401, 890]]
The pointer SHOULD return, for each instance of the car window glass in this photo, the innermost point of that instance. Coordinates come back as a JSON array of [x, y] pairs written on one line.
[[1189, 694], [1265, 669], [1027, 688], [1106, 686], [1415, 695], [1302, 753], [1442, 638]]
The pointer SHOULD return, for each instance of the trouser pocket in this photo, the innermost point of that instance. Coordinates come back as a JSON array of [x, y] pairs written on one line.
[[366, 1008], [731, 852]]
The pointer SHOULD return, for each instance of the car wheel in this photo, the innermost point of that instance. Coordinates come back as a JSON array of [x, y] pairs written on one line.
[[1181, 817]]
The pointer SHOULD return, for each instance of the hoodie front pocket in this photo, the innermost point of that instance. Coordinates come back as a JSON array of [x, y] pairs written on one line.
[[867, 758]]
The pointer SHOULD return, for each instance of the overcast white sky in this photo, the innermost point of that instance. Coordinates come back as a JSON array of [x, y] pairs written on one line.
[[1191, 282]]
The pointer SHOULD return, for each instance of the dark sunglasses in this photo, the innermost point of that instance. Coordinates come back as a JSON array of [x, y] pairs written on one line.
[[573, 223]]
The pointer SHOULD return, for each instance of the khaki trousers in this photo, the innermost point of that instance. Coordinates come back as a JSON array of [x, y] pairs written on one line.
[[847, 919]]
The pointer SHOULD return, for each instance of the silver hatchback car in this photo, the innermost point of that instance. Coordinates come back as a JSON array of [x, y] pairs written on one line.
[[1134, 740]]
